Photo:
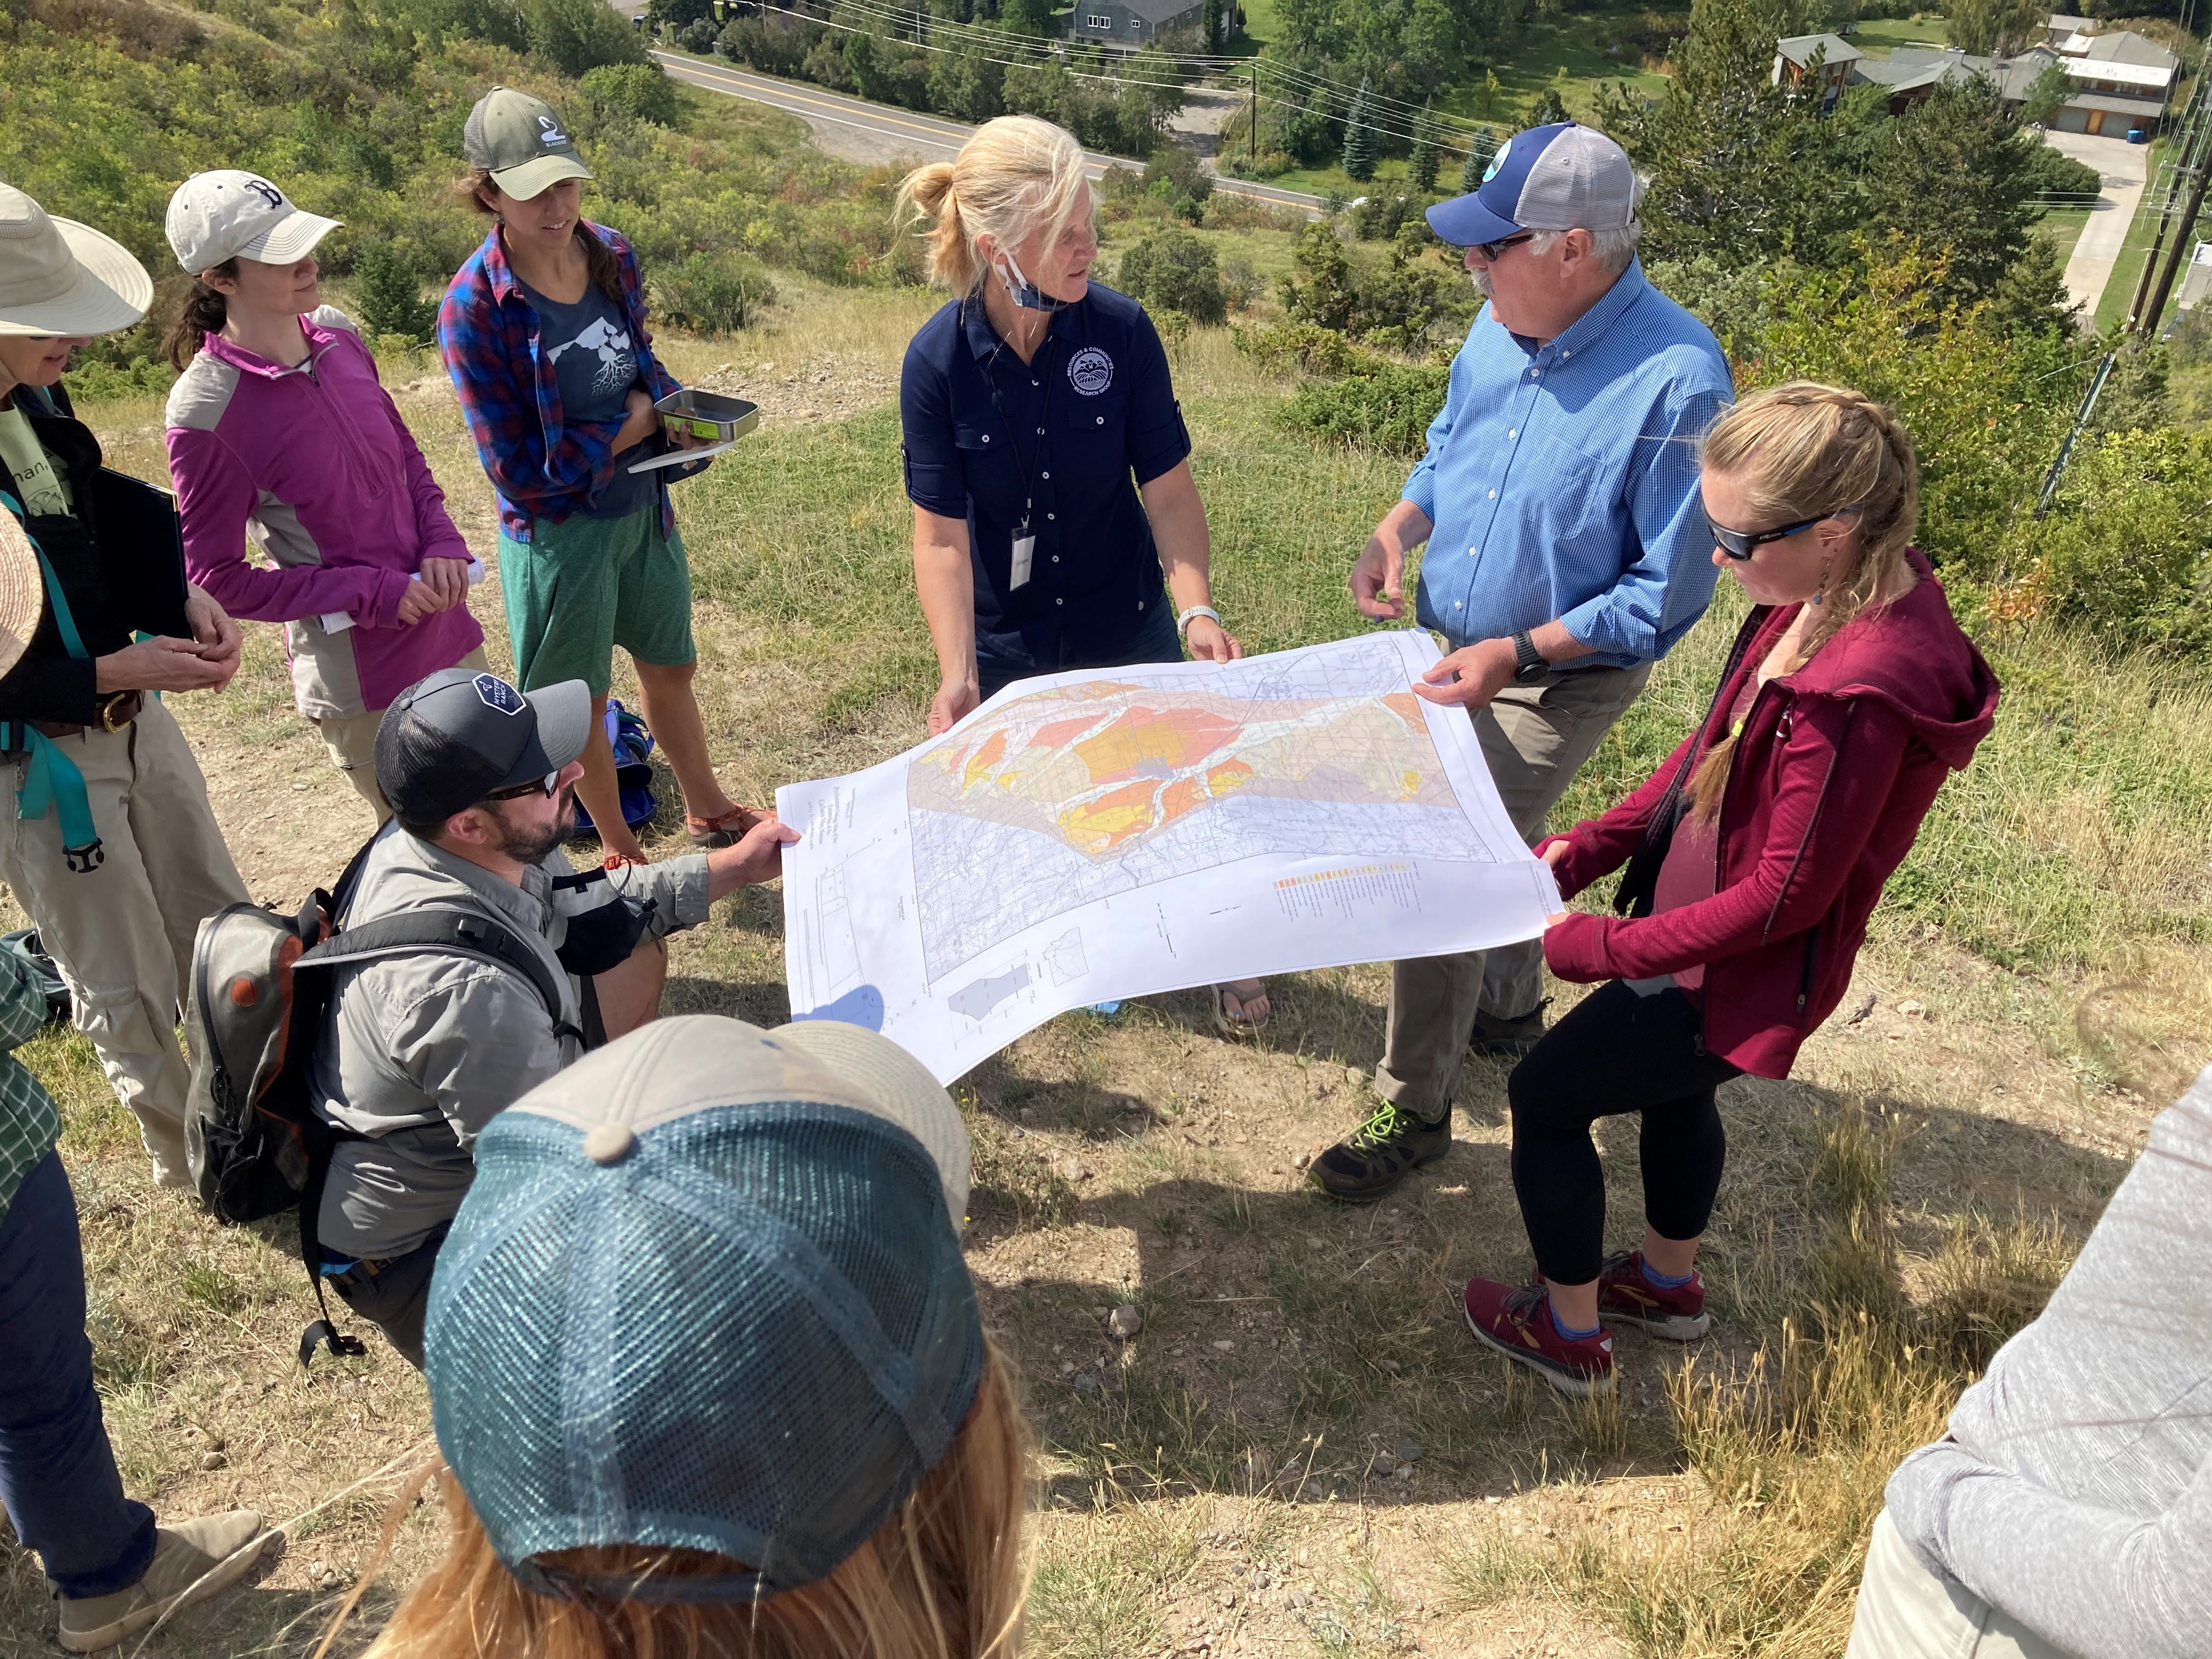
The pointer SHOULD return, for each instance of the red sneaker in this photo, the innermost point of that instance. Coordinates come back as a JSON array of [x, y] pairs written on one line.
[[1625, 1296], [1517, 1321]]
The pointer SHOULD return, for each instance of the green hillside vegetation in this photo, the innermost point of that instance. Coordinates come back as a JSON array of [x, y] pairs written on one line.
[[356, 109]]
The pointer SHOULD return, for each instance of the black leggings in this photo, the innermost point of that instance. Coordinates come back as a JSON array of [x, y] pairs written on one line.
[[1616, 1052]]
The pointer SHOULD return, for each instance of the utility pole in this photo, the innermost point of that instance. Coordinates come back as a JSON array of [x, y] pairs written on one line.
[[1254, 151], [2150, 264], [2073, 432], [2188, 154], [2149, 321]]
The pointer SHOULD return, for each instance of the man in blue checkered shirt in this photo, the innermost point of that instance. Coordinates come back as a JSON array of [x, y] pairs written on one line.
[[1567, 552]]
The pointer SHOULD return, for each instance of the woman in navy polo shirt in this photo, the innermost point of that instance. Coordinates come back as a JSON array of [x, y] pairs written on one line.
[[1057, 524]]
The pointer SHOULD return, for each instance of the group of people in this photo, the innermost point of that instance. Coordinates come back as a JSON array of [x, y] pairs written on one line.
[[547, 1205]]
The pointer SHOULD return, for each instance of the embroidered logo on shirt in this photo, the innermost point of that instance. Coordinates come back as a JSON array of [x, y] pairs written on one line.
[[497, 693], [618, 363], [1091, 371]]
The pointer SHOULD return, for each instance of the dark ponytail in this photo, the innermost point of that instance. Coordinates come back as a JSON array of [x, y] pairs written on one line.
[[203, 313]]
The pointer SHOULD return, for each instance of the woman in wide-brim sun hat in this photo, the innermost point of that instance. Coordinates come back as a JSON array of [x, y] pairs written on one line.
[[105, 835], [366, 570], [107, 839]]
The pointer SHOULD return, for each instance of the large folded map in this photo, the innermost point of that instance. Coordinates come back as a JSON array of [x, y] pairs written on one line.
[[1089, 837]]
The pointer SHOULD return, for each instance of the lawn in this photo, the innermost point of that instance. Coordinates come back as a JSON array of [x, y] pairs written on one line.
[[1878, 37]]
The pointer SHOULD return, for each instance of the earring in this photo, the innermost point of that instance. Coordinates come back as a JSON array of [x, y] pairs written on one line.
[[1822, 592]]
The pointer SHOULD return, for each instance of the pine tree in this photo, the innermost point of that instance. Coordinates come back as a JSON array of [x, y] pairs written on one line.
[[1359, 135], [1210, 26], [1480, 148], [1421, 165]]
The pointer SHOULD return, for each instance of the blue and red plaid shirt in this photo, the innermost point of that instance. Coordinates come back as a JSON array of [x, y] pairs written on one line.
[[542, 467]]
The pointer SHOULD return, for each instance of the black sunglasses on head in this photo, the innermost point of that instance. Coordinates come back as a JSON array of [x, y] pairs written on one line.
[[1740, 544], [1490, 251]]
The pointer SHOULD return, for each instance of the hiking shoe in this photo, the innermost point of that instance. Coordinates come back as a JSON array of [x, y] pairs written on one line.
[[1380, 1153], [1508, 1039], [1625, 1296], [1517, 1321], [193, 1561]]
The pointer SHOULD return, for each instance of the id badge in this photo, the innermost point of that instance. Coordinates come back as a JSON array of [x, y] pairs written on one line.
[[1025, 555]]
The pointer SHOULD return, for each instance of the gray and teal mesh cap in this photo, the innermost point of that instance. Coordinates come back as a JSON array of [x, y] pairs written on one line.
[[707, 1293]]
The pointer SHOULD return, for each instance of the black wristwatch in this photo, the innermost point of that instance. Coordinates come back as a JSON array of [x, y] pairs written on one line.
[[1528, 663]]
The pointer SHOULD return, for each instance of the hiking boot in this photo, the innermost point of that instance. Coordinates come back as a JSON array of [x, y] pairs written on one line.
[[1508, 1039], [1372, 1159], [1517, 1321], [1625, 1296], [193, 1561]]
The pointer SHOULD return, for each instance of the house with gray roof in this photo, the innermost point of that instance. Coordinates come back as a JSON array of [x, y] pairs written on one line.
[[1133, 22], [1827, 60], [2118, 84]]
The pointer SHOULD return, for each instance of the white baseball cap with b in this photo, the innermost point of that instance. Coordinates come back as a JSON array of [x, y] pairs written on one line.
[[59, 278], [216, 217]]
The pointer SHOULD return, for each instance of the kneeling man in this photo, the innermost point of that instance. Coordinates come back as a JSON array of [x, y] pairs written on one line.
[[422, 1048]]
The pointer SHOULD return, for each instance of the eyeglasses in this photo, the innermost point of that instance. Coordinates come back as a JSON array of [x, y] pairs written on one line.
[[544, 786], [1741, 544], [1490, 251]]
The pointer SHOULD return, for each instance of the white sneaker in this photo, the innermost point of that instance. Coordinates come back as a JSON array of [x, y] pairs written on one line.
[[193, 1561]]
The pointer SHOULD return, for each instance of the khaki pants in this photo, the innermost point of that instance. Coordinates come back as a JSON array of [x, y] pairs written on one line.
[[122, 934], [1906, 1611], [1535, 739], [352, 743]]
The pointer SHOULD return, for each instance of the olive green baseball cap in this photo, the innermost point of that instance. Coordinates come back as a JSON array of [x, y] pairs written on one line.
[[521, 141]]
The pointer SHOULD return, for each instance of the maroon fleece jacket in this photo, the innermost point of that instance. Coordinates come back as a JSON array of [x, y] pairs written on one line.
[[1837, 765]]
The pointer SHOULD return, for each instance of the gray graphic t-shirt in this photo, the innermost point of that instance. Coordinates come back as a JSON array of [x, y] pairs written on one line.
[[595, 362]]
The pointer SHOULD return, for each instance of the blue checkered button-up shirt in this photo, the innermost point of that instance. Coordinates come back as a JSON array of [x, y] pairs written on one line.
[[1562, 480]]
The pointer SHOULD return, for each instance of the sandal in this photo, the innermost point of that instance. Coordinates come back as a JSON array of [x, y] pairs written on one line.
[[725, 830], [1237, 1024]]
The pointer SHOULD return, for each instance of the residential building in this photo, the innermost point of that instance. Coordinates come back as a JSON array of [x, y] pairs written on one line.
[[1795, 56], [2118, 83], [1133, 22]]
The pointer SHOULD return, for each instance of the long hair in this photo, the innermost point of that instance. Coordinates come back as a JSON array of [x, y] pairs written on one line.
[[1016, 174], [202, 311], [1802, 451], [475, 187], [944, 1577]]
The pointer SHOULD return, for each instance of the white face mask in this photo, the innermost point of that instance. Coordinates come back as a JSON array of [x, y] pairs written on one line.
[[1024, 293]]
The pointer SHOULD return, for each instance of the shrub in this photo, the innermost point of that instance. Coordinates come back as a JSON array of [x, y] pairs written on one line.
[[1382, 406], [387, 294], [640, 92], [1174, 271], [699, 37], [714, 293], [576, 35]]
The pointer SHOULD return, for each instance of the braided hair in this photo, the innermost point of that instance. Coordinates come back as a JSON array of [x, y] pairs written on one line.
[[1803, 450]]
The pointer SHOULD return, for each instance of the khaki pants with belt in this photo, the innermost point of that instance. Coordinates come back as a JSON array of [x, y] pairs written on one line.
[[1535, 739], [352, 745], [1906, 1611], [122, 934]]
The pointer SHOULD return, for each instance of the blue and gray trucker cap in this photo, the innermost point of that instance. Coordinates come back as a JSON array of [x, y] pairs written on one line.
[[1562, 177], [707, 1293]]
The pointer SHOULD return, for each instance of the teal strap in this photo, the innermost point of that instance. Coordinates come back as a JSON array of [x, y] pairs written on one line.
[[72, 641], [53, 783]]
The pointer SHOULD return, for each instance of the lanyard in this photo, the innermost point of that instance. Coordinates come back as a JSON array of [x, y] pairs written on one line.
[[1044, 427]]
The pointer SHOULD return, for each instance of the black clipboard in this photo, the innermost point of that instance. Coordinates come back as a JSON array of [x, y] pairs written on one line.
[[142, 544]]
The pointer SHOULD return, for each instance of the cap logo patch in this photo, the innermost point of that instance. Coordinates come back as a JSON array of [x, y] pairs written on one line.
[[549, 133], [497, 693], [1091, 371], [267, 192], [1496, 162]]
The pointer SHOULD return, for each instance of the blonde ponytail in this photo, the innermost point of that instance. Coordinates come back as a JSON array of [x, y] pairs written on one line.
[[1017, 174], [1802, 451]]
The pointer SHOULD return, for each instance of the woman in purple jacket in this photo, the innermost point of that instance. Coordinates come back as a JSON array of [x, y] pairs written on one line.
[[280, 432]]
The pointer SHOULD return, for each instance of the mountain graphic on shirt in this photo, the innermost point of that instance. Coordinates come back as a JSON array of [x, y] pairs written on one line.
[[617, 362]]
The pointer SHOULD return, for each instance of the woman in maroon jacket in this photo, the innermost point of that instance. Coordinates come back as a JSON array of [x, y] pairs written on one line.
[[1756, 854]]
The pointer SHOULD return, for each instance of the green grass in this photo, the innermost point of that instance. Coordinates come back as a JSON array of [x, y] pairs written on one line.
[[2120, 290], [1878, 37]]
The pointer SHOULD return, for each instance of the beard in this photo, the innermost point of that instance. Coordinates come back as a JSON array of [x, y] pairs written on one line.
[[1481, 281], [530, 845]]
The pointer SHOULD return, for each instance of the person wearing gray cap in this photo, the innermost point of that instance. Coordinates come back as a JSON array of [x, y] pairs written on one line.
[[1567, 552], [543, 331], [422, 1048], [707, 1371], [107, 836], [280, 433]]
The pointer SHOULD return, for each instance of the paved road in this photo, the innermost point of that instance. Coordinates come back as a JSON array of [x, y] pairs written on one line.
[[854, 126], [2121, 166]]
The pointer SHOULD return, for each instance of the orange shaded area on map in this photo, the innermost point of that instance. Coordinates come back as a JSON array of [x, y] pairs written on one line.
[[1157, 741], [984, 759]]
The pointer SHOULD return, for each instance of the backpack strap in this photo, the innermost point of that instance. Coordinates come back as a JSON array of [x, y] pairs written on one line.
[[459, 933]]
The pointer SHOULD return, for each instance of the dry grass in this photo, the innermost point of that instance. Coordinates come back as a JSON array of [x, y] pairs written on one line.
[[1233, 1475]]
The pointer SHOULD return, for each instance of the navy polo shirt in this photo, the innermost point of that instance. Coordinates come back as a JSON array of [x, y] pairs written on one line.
[[1090, 418]]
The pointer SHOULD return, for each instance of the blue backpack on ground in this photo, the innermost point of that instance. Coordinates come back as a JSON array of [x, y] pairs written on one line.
[[632, 745]]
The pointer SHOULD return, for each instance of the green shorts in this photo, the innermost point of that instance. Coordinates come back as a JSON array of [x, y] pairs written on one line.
[[586, 586]]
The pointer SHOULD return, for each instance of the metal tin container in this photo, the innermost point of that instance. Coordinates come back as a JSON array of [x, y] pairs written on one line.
[[708, 415]]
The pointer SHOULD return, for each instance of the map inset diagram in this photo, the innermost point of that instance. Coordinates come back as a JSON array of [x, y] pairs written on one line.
[[978, 1000], [1082, 791]]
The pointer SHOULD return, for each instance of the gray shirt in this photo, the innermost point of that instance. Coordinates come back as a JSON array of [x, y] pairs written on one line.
[[419, 1051], [595, 365], [2075, 1491]]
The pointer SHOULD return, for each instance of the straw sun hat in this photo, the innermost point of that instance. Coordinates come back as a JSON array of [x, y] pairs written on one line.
[[59, 277], [22, 594]]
